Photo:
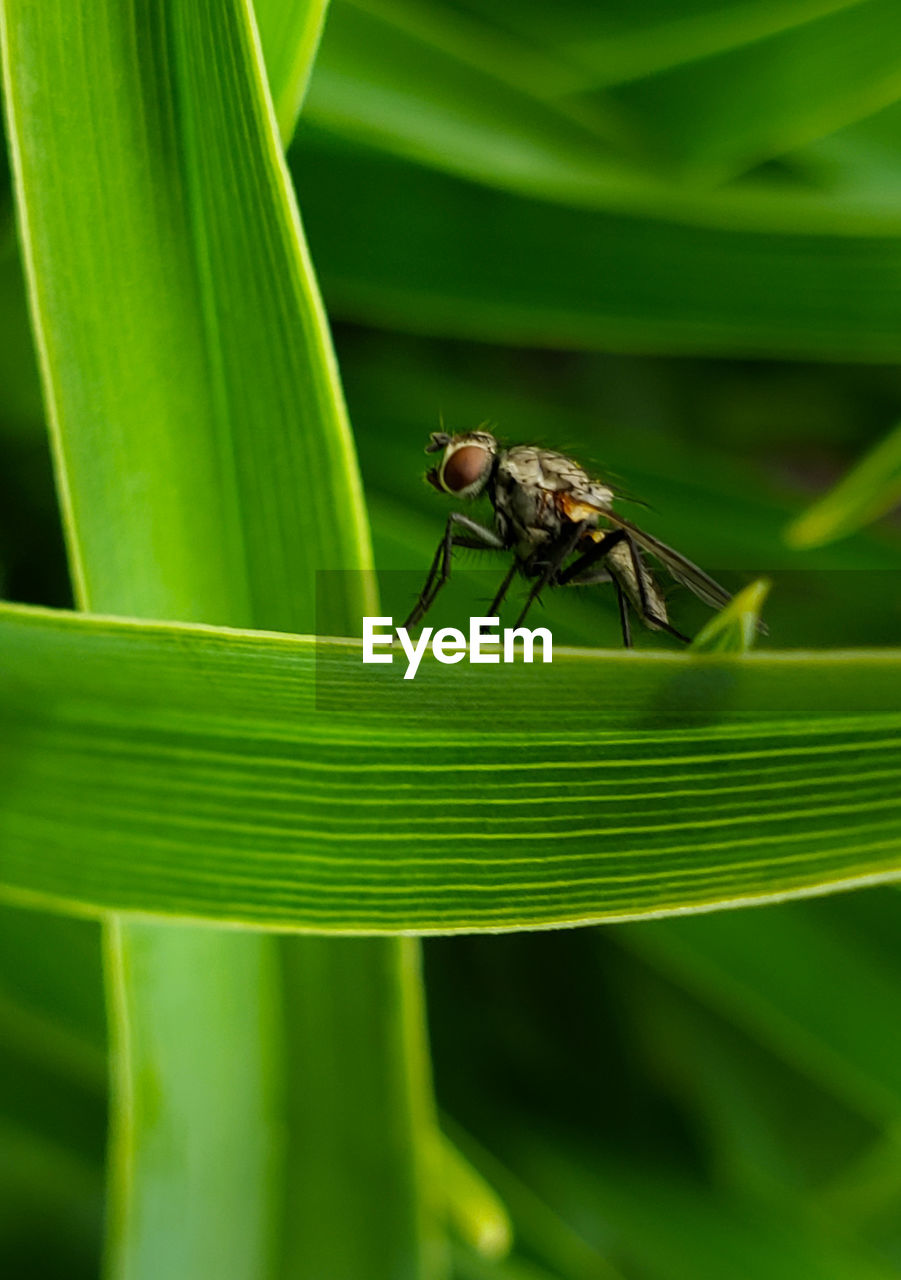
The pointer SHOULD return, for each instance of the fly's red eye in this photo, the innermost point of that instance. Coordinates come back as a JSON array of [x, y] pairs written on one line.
[[464, 467]]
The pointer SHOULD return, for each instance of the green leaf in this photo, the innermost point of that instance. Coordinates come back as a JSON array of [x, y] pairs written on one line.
[[734, 629], [381, 82], [206, 472], [20, 394], [254, 779], [735, 281], [667, 1225], [359, 1111], [428, 83], [633, 259], [621, 43], [505, 51], [826, 1017], [539, 1229], [476, 1211], [768, 1132], [717, 116], [871, 489], [161, 392], [158, 1095], [290, 31], [870, 1187]]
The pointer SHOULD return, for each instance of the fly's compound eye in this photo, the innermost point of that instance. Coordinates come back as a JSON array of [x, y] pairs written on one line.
[[464, 468]]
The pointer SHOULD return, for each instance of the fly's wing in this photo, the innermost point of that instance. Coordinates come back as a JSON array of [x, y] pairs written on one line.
[[703, 586], [683, 570]]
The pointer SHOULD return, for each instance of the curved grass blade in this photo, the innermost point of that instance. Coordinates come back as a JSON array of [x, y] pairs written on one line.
[[539, 1229], [734, 628], [380, 83], [250, 778], [20, 398], [669, 1226], [741, 967], [752, 286], [463, 96], [155, 1006], [477, 1213], [643, 42], [716, 117], [197, 412], [871, 489], [218, 342], [290, 31]]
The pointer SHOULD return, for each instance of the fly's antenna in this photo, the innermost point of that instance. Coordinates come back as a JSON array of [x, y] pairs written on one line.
[[489, 426], [625, 496]]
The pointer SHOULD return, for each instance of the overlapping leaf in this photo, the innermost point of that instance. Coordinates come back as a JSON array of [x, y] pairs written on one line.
[[870, 489], [202, 450], [234, 777], [445, 256], [621, 252], [748, 970]]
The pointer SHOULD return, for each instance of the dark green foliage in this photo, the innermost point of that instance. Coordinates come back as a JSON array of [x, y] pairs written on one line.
[[664, 236]]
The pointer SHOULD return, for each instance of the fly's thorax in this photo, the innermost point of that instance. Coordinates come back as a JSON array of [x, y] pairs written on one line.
[[466, 465], [556, 472], [542, 493]]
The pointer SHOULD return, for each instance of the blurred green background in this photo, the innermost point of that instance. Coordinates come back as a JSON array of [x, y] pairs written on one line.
[[667, 238]]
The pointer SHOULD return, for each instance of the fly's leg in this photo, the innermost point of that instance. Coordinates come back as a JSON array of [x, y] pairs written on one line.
[[589, 579], [623, 615], [549, 573], [646, 609], [597, 552], [589, 559], [502, 590], [439, 572]]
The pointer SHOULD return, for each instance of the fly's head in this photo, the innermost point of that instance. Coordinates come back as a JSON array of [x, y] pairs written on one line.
[[466, 463]]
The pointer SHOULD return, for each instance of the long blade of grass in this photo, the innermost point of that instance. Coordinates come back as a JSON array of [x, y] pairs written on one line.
[[257, 779], [197, 414], [181, 1054], [398, 89], [18, 372], [538, 1228], [201, 333], [716, 117], [459, 95], [621, 46], [766, 1128], [740, 279], [667, 1226], [290, 31], [810, 1014], [735, 628], [477, 1213], [871, 489]]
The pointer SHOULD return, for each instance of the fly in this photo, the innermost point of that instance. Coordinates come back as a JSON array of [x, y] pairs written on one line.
[[560, 525]]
